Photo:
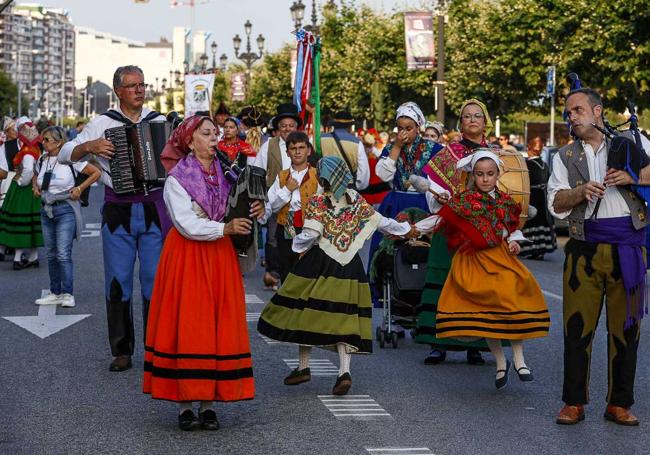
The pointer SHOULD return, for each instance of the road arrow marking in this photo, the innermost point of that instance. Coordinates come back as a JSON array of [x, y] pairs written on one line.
[[47, 322]]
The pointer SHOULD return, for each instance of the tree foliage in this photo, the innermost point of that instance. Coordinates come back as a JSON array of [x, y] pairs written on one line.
[[496, 50], [8, 92]]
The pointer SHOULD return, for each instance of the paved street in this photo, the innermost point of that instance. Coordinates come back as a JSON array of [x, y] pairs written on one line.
[[58, 397]]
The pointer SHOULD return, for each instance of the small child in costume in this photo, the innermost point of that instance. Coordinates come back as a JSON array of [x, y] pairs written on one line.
[[325, 300], [489, 293]]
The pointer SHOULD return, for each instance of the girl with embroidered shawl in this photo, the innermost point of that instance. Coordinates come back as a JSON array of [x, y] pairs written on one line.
[[325, 300], [232, 145], [474, 124], [196, 346], [407, 156], [489, 293], [20, 214]]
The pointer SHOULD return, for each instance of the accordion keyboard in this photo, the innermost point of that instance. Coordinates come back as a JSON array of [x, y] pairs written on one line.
[[121, 164]]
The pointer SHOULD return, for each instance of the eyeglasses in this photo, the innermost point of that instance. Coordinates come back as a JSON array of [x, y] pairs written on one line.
[[477, 116], [47, 140], [135, 87]]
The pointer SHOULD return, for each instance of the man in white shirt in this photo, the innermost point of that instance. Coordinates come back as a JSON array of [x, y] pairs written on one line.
[[604, 258], [132, 225]]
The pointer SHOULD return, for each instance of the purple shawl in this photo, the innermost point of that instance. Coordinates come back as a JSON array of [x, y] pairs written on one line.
[[212, 197]]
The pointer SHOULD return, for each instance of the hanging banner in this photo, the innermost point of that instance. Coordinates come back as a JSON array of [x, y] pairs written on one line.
[[238, 86], [198, 92], [418, 36]]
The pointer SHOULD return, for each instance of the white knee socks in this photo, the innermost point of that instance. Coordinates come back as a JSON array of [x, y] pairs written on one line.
[[518, 354], [344, 358], [33, 254], [497, 351], [304, 352], [205, 405], [18, 255], [184, 406]]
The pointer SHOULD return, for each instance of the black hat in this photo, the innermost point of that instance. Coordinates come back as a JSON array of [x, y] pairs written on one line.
[[342, 119], [251, 117], [269, 125], [286, 110], [222, 109]]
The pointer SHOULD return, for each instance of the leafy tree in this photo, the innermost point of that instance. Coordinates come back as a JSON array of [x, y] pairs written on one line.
[[8, 91]]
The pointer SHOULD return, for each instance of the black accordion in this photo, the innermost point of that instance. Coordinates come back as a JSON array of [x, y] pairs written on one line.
[[136, 165]]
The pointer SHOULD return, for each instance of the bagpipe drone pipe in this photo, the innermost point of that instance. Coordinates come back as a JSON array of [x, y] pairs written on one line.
[[248, 185]]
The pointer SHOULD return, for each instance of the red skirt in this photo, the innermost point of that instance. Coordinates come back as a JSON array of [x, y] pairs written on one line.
[[197, 344]]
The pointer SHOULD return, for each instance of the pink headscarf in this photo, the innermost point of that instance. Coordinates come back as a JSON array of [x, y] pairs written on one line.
[[177, 146]]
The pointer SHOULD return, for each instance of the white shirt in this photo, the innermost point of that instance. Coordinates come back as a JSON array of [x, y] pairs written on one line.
[[94, 130], [612, 205], [184, 213], [363, 168], [281, 196], [262, 158], [62, 177], [306, 239], [27, 173], [3, 159]]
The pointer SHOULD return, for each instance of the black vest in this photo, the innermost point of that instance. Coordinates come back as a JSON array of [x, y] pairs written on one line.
[[11, 150]]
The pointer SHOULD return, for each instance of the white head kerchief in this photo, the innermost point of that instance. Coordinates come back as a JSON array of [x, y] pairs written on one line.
[[412, 111], [467, 164]]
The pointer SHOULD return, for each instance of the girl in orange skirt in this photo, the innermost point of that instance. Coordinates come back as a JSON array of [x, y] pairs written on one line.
[[197, 345], [489, 293]]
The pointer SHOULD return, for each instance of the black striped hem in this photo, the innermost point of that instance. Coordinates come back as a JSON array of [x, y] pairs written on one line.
[[494, 312], [316, 264], [321, 305], [489, 330], [443, 320], [184, 374], [434, 286], [312, 338], [165, 355]]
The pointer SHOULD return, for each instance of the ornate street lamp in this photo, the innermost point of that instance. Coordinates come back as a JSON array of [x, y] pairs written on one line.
[[248, 57], [204, 62], [223, 61], [213, 48], [297, 13]]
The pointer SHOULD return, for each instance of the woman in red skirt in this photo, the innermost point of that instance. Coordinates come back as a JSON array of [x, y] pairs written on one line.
[[197, 345]]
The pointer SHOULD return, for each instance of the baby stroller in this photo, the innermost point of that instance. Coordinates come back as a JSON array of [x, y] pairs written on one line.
[[398, 271]]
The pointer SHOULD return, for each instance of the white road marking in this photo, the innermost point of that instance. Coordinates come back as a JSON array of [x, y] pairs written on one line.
[[551, 295], [92, 230], [252, 317], [47, 322], [269, 340], [399, 450], [354, 407], [252, 298], [318, 367]]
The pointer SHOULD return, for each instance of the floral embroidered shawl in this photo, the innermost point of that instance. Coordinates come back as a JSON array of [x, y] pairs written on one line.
[[343, 227], [412, 159], [474, 220]]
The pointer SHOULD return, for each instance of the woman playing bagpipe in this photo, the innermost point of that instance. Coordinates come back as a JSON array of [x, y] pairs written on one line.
[[489, 293]]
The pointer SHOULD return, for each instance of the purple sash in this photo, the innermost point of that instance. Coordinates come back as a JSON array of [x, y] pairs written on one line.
[[629, 242], [154, 196]]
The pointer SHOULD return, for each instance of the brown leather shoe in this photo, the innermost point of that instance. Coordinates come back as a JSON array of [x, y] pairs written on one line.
[[298, 376], [121, 363], [621, 416], [343, 384], [570, 415]]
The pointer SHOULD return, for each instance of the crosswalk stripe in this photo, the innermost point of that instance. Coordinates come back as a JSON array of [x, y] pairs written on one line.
[[252, 298], [360, 407], [252, 317], [318, 367], [269, 340], [399, 450]]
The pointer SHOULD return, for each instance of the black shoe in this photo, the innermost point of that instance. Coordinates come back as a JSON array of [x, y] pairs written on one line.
[[343, 384], [208, 420], [500, 383], [121, 363], [18, 265], [298, 377], [435, 357], [29, 264], [474, 357], [187, 421], [526, 376]]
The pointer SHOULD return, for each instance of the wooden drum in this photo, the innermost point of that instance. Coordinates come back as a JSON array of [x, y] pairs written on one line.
[[513, 179]]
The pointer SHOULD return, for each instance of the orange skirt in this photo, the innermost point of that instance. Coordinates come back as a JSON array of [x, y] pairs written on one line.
[[491, 294], [197, 344]]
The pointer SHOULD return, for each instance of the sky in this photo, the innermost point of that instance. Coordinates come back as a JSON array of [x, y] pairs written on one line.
[[224, 18]]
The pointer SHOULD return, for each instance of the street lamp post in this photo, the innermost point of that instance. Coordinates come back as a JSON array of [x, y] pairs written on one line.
[[18, 84], [213, 48], [248, 57], [223, 61], [440, 82], [297, 13], [204, 62]]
